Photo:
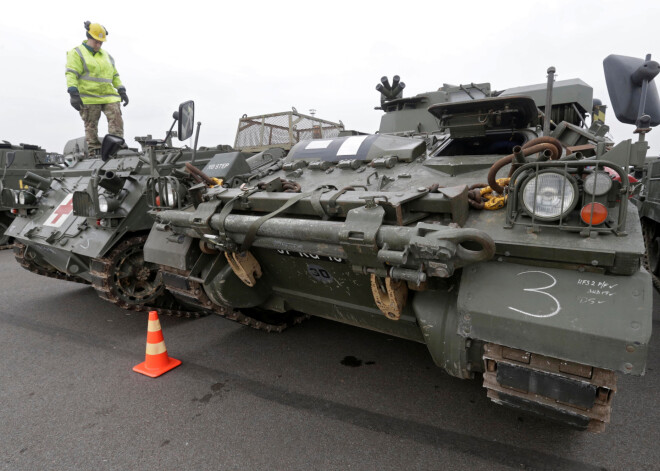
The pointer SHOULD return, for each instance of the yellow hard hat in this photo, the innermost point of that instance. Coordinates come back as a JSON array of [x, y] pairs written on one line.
[[96, 31]]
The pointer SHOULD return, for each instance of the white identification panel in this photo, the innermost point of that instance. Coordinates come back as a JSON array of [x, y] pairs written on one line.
[[351, 145], [61, 213], [318, 144]]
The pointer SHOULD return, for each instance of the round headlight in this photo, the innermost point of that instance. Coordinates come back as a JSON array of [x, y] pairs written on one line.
[[171, 196], [103, 204], [597, 183], [549, 195]]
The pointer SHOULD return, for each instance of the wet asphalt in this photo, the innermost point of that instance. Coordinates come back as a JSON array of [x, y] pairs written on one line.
[[321, 395]]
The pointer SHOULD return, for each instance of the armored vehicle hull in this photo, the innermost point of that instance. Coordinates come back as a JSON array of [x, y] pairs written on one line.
[[531, 280]]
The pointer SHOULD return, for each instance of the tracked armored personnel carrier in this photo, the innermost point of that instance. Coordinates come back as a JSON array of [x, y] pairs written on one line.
[[485, 224], [15, 161]]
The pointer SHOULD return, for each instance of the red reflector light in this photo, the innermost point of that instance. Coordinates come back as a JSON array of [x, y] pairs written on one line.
[[98, 222], [593, 213], [158, 200], [14, 211]]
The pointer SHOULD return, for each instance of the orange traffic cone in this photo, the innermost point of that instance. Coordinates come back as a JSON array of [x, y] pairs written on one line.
[[156, 362]]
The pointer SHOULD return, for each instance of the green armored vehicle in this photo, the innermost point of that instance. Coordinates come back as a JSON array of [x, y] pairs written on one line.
[[485, 224], [15, 161], [87, 222]]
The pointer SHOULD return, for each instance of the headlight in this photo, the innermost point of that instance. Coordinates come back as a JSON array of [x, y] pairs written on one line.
[[597, 183], [25, 197], [171, 196], [108, 204], [103, 204], [549, 195]]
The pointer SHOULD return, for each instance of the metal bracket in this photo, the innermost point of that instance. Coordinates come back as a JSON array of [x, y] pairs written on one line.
[[245, 267], [391, 298], [358, 235], [202, 217]]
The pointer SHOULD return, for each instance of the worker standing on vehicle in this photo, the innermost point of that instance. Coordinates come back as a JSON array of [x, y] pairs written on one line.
[[94, 85]]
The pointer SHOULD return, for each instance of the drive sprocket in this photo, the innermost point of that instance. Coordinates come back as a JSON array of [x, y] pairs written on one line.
[[123, 278]]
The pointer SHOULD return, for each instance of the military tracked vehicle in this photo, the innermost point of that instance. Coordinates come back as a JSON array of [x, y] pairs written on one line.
[[15, 161], [88, 222], [485, 224]]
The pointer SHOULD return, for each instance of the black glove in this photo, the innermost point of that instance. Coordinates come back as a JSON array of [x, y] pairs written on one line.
[[122, 94], [76, 101]]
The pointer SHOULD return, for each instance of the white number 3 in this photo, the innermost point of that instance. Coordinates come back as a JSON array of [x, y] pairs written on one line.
[[540, 291]]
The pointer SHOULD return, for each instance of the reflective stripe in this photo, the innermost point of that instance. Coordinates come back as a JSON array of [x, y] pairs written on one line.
[[95, 79], [156, 348], [112, 61], [74, 71], [89, 95], [153, 326], [85, 69]]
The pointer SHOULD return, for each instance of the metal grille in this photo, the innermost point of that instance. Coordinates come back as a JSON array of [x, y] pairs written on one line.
[[515, 214], [83, 204], [257, 133]]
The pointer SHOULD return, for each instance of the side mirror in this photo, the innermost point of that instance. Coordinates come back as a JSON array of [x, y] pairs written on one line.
[[630, 86], [186, 118], [111, 144]]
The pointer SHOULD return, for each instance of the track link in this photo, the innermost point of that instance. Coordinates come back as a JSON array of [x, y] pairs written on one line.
[[31, 266], [124, 279], [575, 394], [192, 292]]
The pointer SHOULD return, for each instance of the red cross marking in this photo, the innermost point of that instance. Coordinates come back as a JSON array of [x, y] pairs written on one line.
[[63, 210]]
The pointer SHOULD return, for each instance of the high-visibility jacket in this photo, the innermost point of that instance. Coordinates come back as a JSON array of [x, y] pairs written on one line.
[[93, 74]]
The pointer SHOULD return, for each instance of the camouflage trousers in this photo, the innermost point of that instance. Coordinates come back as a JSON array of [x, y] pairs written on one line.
[[92, 113]]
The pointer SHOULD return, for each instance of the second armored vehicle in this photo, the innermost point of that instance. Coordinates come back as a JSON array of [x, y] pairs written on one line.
[[87, 222]]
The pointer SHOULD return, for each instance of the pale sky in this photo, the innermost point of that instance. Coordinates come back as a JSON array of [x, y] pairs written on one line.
[[261, 57]]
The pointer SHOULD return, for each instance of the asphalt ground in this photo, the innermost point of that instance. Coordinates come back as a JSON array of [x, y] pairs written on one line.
[[247, 400]]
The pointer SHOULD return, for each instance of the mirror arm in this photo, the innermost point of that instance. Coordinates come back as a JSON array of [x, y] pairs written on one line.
[[169, 133], [643, 76], [194, 154], [152, 161], [645, 89]]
